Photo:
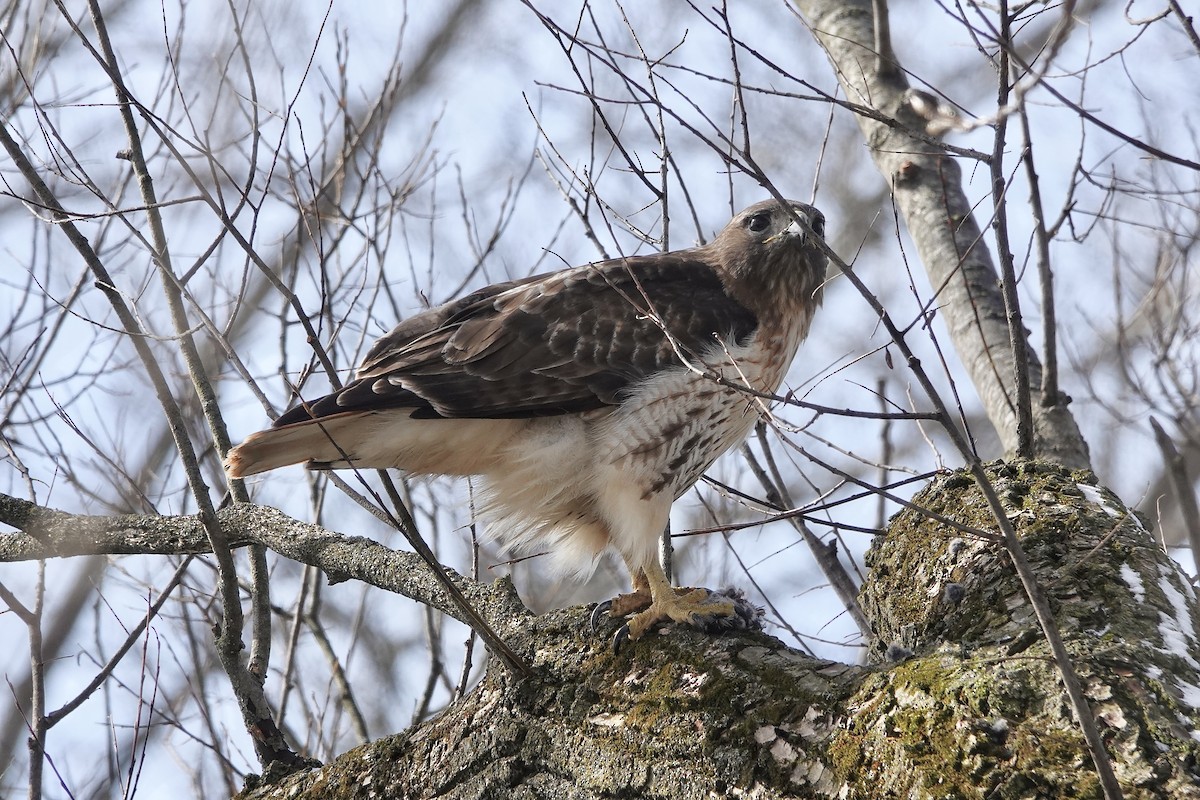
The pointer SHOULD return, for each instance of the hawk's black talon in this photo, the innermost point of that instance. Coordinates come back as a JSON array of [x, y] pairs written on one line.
[[620, 638], [599, 611]]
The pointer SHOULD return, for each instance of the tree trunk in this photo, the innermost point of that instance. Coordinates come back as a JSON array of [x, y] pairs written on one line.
[[926, 185], [963, 699]]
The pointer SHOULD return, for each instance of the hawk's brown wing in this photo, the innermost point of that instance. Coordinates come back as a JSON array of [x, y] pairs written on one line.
[[566, 342]]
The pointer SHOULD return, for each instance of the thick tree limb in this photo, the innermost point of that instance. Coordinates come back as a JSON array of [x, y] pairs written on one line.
[[977, 709], [974, 708]]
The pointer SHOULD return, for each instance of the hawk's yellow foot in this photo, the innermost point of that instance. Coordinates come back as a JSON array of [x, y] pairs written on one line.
[[639, 600], [655, 600], [700, 608]]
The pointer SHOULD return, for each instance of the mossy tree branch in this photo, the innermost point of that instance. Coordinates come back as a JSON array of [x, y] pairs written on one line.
[[963, 699]]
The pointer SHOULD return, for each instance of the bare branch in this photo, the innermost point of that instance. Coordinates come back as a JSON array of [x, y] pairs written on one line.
[[57, 534]]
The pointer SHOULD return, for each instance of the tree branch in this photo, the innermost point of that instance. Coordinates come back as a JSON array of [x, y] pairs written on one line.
[[46, 533]]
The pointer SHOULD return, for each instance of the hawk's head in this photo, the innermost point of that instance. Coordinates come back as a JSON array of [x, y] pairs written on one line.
[[770, 257]]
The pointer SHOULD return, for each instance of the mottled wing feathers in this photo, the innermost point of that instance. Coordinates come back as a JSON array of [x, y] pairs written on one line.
[[567, 342]]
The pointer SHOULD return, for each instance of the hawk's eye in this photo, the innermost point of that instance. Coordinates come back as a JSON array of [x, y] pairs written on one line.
[[818, 226], [759, 222]]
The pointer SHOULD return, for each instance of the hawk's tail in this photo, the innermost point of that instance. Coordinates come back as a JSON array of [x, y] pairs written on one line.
[[381, 439], [327, 442]]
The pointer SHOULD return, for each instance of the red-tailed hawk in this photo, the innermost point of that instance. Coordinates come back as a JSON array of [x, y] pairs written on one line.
[[587, 399]]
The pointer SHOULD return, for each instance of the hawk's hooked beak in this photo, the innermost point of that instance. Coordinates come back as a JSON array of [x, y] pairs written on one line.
[[793, 229]]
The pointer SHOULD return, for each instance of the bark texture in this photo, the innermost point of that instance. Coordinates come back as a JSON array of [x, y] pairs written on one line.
[[926, 185], [962, 701]]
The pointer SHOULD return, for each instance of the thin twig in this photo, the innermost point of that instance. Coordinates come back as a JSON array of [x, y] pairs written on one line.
[[1020, 395], [56, 716], [1049, 388], [245, 681], [1186, 21], [825, 555], [345, 691]]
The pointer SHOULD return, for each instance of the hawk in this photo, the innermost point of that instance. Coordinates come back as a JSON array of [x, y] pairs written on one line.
[[588, 399]]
